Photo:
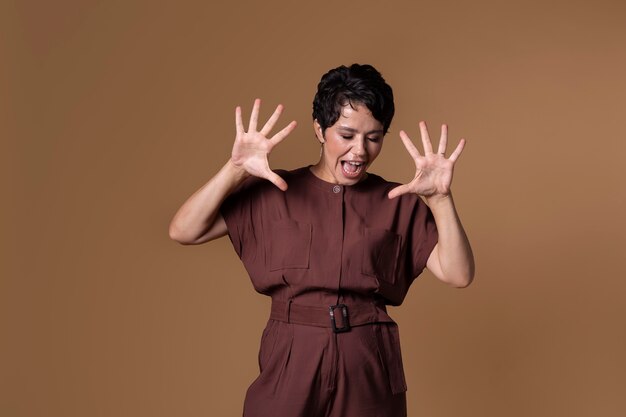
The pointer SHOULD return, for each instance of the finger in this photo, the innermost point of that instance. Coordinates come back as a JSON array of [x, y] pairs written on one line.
[[408, 144], [238, 121], [278, 137], [428, 147], [272, 120], [457, 152], [398, 191], [276, 180], [254, 117], [443, 140]]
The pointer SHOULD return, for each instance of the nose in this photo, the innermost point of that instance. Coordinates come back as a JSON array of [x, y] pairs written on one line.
[[358, 149]]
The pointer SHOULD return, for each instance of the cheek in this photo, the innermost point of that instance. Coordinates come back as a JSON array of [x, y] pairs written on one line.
[[331, 151], [375, 149], [335, 148]]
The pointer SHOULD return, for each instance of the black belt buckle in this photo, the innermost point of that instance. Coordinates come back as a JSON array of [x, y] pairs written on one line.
[[344, 315]]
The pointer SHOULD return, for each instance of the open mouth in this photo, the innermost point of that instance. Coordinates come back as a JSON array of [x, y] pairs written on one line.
[[352, 169]]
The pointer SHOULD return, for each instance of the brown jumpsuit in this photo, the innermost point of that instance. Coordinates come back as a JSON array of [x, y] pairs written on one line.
[[314, 246]]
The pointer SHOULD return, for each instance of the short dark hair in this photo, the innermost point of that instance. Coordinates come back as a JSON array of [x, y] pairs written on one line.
[[357, 84]]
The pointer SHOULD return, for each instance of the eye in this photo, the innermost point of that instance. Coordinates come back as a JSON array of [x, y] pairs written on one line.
[[346, 136], [375, 139]]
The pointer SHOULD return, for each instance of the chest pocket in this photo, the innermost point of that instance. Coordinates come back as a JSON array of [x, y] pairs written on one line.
[[380, 254], [289, 245]]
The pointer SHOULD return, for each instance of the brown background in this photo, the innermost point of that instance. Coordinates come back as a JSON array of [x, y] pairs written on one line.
[[114, 112]]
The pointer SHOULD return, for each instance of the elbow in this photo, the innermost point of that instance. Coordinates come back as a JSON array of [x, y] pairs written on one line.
[[465, 275], [177, 236], [463, 280], [457, 279]]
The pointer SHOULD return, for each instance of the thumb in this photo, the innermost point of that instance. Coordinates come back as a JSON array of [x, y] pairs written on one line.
[[398, 191], [277, 180]]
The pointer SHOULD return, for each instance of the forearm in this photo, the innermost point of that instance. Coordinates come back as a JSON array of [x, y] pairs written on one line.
[[198, 215], [454, 253]]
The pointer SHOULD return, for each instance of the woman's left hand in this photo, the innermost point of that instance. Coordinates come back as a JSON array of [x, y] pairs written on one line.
[[433, 175]]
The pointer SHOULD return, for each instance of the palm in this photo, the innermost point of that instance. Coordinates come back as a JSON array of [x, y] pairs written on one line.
[[252, 148], [251, 151], [433, 171]]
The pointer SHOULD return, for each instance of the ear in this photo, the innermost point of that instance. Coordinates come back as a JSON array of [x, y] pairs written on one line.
[[318, 131]]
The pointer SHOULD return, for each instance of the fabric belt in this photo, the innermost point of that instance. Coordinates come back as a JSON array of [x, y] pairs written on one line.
[[339, 317]]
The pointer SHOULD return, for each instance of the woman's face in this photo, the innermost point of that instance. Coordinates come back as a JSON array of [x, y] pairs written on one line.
[[349, 146]]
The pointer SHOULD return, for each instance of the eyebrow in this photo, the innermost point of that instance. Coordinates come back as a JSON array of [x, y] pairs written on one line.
[[351, 130]]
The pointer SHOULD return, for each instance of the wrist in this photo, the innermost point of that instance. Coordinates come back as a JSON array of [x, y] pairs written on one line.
[[238, 172], [439, 199]]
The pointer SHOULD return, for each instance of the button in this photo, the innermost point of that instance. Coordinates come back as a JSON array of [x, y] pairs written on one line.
[[336, 189]]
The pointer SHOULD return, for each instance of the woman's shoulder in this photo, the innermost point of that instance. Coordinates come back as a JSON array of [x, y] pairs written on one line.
[[378, 185], [292, 173], [257, 185], [376, 182]]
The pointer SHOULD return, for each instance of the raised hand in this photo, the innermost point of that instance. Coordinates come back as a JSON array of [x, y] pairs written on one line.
[[433, 172], [252, 148]]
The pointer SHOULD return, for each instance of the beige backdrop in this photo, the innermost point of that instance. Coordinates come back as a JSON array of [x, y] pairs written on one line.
[[114, 112]]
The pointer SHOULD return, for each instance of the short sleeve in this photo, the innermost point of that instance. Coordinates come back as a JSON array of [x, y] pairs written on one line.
[[240, 211], [424, 237]]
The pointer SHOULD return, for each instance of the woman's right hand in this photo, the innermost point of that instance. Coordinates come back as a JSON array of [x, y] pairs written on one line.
[[252, 148]]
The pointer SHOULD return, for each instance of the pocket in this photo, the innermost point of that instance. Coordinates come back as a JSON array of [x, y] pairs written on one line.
[[274, 356], [388, 340], [268, 341], [380, 254], [289, 245]]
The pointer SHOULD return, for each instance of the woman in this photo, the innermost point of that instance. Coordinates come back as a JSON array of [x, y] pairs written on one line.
[[332, 245]]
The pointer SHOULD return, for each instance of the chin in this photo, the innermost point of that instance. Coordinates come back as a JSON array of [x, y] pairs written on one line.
[[342, 180]]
